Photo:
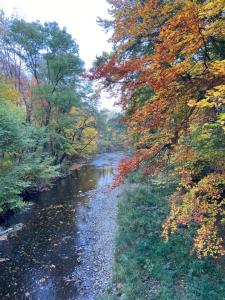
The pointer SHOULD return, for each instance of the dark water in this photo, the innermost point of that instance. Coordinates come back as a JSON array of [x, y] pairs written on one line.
[[41, 257]]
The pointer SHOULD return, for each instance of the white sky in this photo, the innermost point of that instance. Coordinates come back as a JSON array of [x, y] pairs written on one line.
[[78, 16]]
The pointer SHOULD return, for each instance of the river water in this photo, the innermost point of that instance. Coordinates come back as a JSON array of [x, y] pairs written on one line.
[[36, 261]]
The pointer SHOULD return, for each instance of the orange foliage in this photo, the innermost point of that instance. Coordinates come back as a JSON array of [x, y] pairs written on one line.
[[171, 49]]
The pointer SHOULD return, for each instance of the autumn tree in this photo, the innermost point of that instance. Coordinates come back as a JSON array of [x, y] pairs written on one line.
[[168, 67], [48, 108], [50, 81]]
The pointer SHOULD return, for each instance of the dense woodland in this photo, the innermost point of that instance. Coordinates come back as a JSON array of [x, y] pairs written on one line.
[[168, 66], [48, 109]]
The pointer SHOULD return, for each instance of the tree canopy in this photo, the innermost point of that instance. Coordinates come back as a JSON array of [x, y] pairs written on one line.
[[48, 109], [168, 66]]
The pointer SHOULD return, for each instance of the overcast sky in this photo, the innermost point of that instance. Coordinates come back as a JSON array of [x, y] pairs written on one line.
[[78, 16]]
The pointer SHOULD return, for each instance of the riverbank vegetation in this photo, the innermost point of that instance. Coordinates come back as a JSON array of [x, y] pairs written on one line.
[[148, 268], [168, 68], [48, 109]]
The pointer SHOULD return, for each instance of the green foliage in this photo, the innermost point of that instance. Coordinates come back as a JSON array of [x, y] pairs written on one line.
[[101, 60], [148, 268], [21, 162], [11, 138], [56, 86], [48, 114], [111, 131]]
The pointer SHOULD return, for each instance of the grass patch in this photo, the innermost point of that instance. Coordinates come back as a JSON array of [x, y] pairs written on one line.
[[148, 268]]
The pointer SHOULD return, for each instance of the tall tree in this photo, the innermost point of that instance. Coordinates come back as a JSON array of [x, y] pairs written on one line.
[[168, 66]]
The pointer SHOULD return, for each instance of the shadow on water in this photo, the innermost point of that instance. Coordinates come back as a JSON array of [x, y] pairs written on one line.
[[36, 262]]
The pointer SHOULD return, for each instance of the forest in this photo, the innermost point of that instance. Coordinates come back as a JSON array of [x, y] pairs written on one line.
[[167, 72], [48, 108]]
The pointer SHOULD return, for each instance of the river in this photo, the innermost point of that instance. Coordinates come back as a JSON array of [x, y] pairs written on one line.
[[40, 261]]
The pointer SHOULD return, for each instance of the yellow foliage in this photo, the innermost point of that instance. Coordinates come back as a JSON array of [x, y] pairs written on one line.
[[8, 93]]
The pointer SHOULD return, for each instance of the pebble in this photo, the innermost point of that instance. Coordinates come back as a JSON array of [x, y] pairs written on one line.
[[94, 273]]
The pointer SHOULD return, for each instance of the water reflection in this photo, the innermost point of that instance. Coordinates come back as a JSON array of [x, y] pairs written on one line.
[[43, 255]]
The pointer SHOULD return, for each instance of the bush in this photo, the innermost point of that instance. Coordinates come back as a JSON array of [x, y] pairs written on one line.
[[22, 161]]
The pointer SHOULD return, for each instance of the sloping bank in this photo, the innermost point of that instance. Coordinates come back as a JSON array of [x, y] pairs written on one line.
[[148, 268]]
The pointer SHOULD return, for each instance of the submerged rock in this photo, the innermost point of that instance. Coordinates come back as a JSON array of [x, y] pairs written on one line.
[[3, 259], [12, 230]]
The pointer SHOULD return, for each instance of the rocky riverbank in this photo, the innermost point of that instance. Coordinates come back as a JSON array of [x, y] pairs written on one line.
[[62, 247], [97, 233]]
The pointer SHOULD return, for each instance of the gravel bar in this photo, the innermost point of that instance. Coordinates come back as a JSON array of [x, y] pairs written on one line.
[[96, 243]]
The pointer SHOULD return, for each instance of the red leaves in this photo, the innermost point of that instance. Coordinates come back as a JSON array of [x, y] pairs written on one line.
[[167, 57], [128, 165]]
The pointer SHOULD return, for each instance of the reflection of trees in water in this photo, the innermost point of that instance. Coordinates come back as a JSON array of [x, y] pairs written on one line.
[[91, 177], [105, 176], [44, 251], [87, 178], [45, 248]]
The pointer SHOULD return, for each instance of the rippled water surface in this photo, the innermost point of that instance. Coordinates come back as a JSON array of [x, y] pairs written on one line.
[[37, 262]]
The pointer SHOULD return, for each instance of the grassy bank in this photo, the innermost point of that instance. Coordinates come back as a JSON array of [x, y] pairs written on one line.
[[148, 268]]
